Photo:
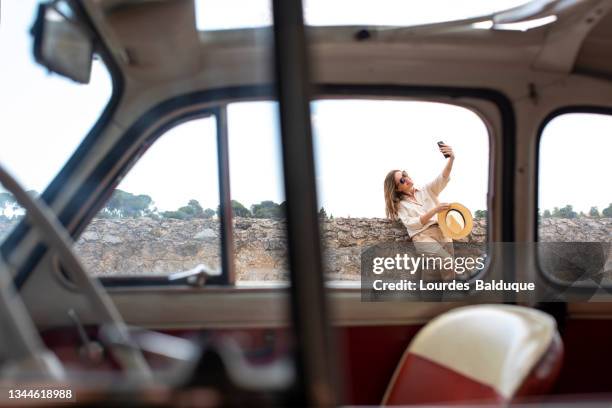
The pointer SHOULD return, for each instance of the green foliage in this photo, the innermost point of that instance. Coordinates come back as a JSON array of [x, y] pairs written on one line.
[[267, 209], [568, 212], [127, 205], [480, 214], [7, 201], [6, 197], [192, 210], [322, 214], [177, 215], [565, 212], [197, 208], [238, 209]]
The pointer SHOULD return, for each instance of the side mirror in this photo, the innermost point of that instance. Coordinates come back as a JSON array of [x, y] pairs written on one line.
[[62, 44]]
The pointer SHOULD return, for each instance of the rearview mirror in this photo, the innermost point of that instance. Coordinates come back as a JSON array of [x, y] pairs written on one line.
[[62, 44]]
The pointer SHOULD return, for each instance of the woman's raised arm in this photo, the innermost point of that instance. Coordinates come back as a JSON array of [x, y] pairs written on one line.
[[437, 185]]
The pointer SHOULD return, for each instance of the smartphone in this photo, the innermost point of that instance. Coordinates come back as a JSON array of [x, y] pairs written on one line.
[[440, 143]]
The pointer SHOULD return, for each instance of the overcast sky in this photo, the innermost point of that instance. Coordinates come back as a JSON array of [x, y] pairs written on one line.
[[44, 117]]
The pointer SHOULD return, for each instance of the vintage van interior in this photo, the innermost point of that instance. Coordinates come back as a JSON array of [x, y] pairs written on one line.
[[201, 336]]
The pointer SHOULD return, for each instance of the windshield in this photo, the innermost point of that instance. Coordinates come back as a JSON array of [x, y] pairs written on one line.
[[44, 116], [221, 14]]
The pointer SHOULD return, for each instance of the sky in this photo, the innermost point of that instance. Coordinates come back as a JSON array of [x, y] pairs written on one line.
[[575, 166], [43, 117]]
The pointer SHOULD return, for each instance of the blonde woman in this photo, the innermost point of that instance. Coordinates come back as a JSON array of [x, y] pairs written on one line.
[[416, 207]]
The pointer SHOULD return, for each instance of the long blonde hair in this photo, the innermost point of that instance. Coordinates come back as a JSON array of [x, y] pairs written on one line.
[[392, 196]]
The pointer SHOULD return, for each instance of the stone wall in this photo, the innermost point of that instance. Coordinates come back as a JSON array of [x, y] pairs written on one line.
[[146, 246], [576, 230]]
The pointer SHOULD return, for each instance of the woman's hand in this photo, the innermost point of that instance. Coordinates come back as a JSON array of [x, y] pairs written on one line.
[[441, 207], [424, 219], [447, 150]]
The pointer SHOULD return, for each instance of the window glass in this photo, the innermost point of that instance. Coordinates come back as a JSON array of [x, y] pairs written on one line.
[[44, 116], [258, 192], [162, 218], [221, 14], [574, 195], [356, 143]]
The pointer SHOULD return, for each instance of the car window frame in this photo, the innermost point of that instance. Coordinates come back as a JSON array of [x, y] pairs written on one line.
[[211, 101], [17, 235], [555, 283]]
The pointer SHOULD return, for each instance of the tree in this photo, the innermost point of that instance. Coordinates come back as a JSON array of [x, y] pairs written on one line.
[[192, 210], [480, 214], [198, 211], [565, 212], [238, 209], [594, 212], [547, 214], [607, 212], [127, 205], [322, 214], [266, 209], [177, 215], [7, 201], [140, 205]]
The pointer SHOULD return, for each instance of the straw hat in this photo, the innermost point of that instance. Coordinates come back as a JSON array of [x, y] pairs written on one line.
[[456, 222]]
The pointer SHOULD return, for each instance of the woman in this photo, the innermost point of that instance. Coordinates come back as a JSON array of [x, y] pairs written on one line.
[[416, 208]]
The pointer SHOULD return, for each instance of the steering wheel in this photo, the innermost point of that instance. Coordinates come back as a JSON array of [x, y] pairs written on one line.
[[115, 332]]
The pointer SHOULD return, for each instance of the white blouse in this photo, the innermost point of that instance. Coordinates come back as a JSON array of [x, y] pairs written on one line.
[[427, 198]]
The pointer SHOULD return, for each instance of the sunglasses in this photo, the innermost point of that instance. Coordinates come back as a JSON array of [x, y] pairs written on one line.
[[403, 180]]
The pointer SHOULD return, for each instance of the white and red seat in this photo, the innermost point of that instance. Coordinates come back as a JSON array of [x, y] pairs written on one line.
[[485, 353]]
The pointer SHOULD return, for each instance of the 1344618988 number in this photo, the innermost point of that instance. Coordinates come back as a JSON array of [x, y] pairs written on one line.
[[40, 393]]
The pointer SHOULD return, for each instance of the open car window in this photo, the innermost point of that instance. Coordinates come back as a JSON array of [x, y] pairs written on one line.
[[39, 129], [163, 217], [575, 201]]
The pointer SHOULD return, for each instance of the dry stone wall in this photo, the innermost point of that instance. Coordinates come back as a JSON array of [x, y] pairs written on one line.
[[111, 247]]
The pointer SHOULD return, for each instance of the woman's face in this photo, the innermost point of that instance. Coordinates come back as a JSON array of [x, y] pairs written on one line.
[[403, 182]]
